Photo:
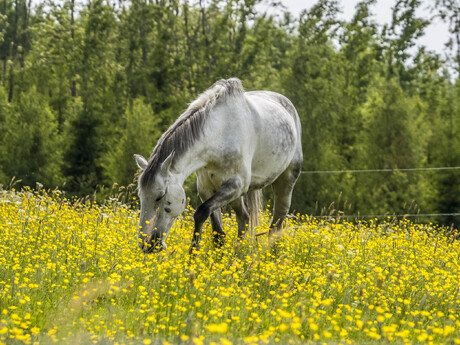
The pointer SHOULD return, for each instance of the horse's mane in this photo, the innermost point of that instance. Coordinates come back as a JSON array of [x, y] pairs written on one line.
[[187, 129]]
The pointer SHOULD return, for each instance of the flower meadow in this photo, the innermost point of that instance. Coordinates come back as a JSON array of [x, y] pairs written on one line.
[[71, 273]]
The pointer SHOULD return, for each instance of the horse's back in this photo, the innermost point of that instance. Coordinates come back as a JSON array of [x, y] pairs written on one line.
[[277, 144], [276, 118]]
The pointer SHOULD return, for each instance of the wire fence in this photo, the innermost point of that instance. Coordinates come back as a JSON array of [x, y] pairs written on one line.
[[375, 170], [391, 215]]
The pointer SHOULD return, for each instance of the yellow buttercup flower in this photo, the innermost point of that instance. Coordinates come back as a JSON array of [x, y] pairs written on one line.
[[217, 328], [337, 281]]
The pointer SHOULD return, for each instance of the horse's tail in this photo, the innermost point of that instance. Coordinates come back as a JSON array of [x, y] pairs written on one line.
[[254, 203]]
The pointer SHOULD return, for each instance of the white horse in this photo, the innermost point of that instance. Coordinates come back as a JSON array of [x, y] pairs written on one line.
[[237, 143]]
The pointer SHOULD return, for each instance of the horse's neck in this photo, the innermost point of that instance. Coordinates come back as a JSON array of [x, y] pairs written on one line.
[[189, 162], [197, 155]]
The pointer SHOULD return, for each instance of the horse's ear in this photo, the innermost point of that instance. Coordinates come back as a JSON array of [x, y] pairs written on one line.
[[167, 164], [141, 161]]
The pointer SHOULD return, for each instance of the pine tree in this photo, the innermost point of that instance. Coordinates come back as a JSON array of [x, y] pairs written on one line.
[[393, 137], [137, 134], [31, 142], [314, 83]]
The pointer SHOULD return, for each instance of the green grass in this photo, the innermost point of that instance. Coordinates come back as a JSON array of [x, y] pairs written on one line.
[[72, 274]]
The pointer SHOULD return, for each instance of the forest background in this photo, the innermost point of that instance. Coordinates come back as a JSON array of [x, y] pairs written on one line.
[[85, 85]]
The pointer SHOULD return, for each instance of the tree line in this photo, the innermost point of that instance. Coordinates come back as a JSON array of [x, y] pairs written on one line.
[[83, 86]]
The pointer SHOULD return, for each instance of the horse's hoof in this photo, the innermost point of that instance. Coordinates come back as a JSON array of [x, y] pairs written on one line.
[[194, 250], [219, 240], [237, 247]]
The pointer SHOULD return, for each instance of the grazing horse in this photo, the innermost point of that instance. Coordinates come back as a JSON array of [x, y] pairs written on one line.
[[236, 142]]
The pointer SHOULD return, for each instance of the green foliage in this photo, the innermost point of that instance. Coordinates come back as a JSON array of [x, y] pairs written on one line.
[[445, 150], [313, 81], [4, 115], [392, 137], [136, 132], [449, 11], [31, 143], [84, 86]]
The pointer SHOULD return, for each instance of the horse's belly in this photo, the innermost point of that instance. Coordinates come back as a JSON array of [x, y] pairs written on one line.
[[266, 170], [271, 159]]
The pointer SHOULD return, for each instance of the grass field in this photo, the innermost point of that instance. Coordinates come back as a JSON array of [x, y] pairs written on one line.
[[72, 274]]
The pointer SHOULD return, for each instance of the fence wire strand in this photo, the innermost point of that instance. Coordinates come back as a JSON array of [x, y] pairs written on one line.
[[353, 171], [391, 215], [375, 170]]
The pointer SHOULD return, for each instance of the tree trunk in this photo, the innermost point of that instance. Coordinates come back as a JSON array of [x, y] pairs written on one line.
[[189, 49], [206, 40], [73, 86]]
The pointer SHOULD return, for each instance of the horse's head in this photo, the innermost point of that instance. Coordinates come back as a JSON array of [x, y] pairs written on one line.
[[162, 201]]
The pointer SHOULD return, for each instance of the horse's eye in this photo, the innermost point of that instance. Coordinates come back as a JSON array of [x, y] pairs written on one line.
[[160, 197]]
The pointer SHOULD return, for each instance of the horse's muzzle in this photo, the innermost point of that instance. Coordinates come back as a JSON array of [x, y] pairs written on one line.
[[154, 245]]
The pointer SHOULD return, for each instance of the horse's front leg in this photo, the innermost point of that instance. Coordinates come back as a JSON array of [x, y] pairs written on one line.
[[229, 190], [216, 217]]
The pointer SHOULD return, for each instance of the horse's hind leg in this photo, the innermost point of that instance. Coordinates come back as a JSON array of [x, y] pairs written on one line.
[[242, 216], [282, 190], [217, 231]]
